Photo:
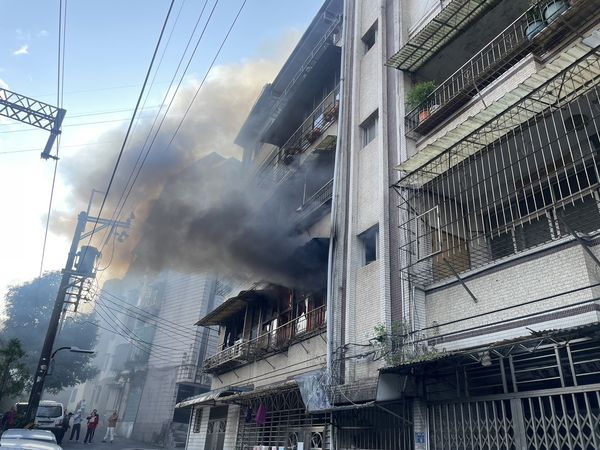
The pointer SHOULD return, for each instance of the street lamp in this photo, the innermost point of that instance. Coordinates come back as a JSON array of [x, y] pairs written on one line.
[[73, 349]]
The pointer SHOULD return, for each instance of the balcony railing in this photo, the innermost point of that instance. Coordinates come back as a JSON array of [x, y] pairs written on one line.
[[281, 162], [191, 373], [278, 339], [526, 33], [315, 201]]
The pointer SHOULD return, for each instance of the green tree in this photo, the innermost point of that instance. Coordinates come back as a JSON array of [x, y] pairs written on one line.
[[28, 310], [13, 373]]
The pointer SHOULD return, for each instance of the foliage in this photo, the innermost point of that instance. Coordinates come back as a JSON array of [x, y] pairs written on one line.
[[397, 346], [28, 310], [419, 93], [13, 374]]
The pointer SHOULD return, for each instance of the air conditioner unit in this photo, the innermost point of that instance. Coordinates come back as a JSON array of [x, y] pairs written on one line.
[[239, 349]]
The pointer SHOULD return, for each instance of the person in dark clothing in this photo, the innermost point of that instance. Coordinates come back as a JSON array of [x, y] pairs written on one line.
[[92, 423], [76, 425], [9, 419], [63, 428]]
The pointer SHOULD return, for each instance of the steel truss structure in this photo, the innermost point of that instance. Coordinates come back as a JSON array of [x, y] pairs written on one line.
[[524, 178], [39, 114], [286, 424]]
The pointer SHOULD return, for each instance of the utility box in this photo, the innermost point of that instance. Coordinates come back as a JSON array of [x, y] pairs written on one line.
[[86, 262]]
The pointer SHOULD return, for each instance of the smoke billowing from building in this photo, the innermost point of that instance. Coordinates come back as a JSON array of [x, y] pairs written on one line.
[[203, 219]]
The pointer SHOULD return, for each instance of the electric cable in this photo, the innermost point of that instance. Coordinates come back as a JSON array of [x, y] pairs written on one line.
[[130, 332], [123, 199], [134, 343], [60, 78], [127, 134]]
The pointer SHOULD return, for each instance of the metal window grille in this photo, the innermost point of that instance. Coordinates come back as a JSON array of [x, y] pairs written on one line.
[[520, 180], [287, 423]]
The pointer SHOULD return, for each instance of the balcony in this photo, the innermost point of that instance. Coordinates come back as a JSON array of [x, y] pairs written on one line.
[[282, 162], [513, 44], [191, 374], [274, 341], [314, 203]]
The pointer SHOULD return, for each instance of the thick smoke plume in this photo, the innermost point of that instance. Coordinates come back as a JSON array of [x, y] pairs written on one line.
[[192, 212]]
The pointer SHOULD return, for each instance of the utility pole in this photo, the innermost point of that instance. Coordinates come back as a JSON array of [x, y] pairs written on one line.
[[73, 276]]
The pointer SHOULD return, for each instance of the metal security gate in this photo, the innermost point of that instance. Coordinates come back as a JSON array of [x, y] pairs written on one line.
[[286, 423], [384, 427], [559, 420]]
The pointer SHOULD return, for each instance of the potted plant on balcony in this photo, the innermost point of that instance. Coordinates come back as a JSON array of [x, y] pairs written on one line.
[[331, 113], [554, 8], [312, 135], [418, 95], [535, 18]]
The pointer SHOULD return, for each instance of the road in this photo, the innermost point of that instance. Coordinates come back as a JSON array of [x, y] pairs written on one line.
[[119, 443]]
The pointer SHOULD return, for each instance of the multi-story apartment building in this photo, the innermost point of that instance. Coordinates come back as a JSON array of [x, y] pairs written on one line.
[[461, 293], [498, 212], [270, 334]]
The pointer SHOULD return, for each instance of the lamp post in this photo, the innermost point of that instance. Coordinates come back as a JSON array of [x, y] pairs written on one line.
[[73, 349]]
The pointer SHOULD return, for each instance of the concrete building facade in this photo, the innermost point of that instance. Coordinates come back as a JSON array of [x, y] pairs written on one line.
[[461, 222]]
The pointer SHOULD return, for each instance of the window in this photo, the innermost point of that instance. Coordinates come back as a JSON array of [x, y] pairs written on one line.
[[370, 37], [369, 129], [197, 419], [369, 240]]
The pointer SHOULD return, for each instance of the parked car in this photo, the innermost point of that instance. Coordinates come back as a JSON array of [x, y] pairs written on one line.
[[31, 435], [26, 444], [49, 415]]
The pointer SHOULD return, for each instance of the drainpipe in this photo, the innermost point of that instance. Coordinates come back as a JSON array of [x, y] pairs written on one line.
[[334, 198]]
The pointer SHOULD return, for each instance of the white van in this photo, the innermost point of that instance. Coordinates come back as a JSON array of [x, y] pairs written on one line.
[[49, 415]]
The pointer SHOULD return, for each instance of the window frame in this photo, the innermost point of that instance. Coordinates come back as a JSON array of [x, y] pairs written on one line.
[[369, 39], [370, 234], [370, 123]]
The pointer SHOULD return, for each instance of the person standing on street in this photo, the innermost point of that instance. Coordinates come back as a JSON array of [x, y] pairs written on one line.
[[9, 419], [76, 425], [64, 427], [112, 423], [92, 423]]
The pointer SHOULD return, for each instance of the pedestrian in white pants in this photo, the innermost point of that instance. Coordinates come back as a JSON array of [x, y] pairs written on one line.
[[112, 423]]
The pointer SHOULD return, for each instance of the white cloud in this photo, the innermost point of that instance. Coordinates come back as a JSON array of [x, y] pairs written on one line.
[[42, 33], [23, 50]]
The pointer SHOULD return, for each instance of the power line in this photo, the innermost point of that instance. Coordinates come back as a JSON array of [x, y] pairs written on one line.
[[149, 351], [123, 198], [60, 75], [126, 138], [135, 309], [132, 333]]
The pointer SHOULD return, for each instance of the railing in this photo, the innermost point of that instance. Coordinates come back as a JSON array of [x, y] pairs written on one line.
[[315, 201], [281, 162], [191, 373], [244, 351], [488, 64]]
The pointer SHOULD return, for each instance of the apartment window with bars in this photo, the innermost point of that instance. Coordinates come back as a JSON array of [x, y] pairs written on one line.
[[527, 185]]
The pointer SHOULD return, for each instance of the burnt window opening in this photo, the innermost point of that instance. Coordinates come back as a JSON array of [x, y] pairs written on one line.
[[369, 240]]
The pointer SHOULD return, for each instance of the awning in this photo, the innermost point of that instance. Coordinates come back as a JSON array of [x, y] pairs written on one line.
[[211, 397], [236, 305], [440, 30]]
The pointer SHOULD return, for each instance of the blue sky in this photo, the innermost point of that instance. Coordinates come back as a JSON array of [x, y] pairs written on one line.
[[108, 47]]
